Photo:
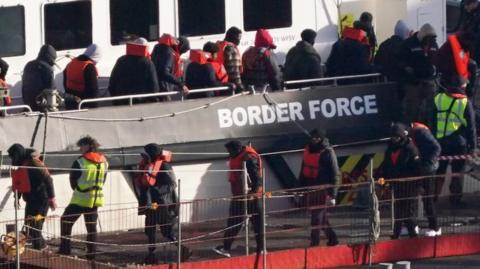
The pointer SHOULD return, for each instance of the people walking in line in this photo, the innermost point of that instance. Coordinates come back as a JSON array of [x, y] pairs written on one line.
[[240, 154], [87, 179], [33, 183], [320, 175]]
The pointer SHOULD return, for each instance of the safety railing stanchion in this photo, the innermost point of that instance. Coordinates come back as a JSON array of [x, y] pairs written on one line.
[[392, 208], [264, 221], [179, 245], [245, 205], [17, 234], [372, 213]]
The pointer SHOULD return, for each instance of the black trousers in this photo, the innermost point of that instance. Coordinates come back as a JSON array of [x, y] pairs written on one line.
[[458, 166], [32, 209], [159, 216], [428, 186], [317, 200], [68, 219], [237, 212], [404, 207]]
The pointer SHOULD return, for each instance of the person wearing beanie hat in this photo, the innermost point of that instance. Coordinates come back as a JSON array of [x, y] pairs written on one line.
[[366, 24], [303, 61], [240, 155], [36, 189], [166, 57], [402, 161], [386, 56], [134, 73], [80, 78], [260, 64], [320, 167]]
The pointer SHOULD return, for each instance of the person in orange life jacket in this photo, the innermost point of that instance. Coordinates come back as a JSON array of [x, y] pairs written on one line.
[[200, 74], [402, 161], [6, 99], [429, 150], [87, 179], [155, 191], [456, 133], [35, 186], [80, 78], [134, 73], [166, 58], [350, 55], [220, 71], [320, 167], [240, 154], [260, 64], [453, 58], [229, 55]]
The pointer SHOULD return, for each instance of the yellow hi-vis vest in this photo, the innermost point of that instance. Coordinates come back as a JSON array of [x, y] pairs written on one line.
[[89, 190], [450, 114]]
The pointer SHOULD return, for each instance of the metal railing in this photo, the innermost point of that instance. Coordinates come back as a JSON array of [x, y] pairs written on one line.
[[332, 79], [24, 107], [125, 97]]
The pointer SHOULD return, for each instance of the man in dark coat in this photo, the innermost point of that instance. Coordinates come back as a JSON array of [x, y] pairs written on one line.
[[133, 73], [38, 76], [41, 195], [166, 58], [366, 24], [429, 151], [320, 168], [303, 61], [387, 55], [200, 73], [470, 22], [157, 198], [401, 162]]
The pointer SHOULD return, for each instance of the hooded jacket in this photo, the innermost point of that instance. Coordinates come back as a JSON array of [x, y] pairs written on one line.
[[133, 74], [41, 184], [413, 57], [303, 62], [259, 63], [165, 57], [200, 74], [428, 147], [38, 76]]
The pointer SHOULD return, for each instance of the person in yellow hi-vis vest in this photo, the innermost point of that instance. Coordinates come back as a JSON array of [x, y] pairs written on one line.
[[454, 128], [87, 179]]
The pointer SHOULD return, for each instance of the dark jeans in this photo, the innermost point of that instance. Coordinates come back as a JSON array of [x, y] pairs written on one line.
[[69, 217], [319, 218], [456, 185], [428, 185], [404, 207], [161, 217], [236, 217], [32, 209]]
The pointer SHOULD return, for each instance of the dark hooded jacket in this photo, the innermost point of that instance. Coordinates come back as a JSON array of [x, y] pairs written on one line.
[[133, 74], [38, 75], [303, 62], [41, 183], [3, 69], [163, 57], [470, 22], [164, 190], [416, 63], [329, 173], [387, 57], [200, 74], [428, 147]]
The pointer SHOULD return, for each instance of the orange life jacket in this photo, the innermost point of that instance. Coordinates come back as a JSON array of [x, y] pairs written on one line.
[[6, 99], [236, 163], [419, 125], [221, 53], [198, 56], [75, 75], [355, 34], [311, 163], [149, 178], [220, 72], [172, 42], [21, 179], [138, 50], [460, 56]]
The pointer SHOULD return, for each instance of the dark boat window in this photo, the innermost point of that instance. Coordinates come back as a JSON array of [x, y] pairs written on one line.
[[12, 31], [130, 19], [201, 17], [68, 25], [266, 14]]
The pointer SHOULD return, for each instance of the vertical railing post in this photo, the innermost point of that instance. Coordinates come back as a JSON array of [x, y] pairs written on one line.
[[245, 205], [179, 236], [371, 231], [264, 221], [17, 234]]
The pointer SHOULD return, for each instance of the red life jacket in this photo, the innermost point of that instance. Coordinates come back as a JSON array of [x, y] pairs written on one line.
[[221, 53], [6, 99], [311, 163], [138, 50], [172, 42], [149, 178], [394, 156], [460, 57], [198, 56], [355, 34], [21, 179], [75, 75], [236, 163], [220, 72]]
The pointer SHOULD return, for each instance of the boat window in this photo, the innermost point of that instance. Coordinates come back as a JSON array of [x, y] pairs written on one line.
[[68, 25], [12, 31], [205, 17], [129, 20], [266, 14]]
